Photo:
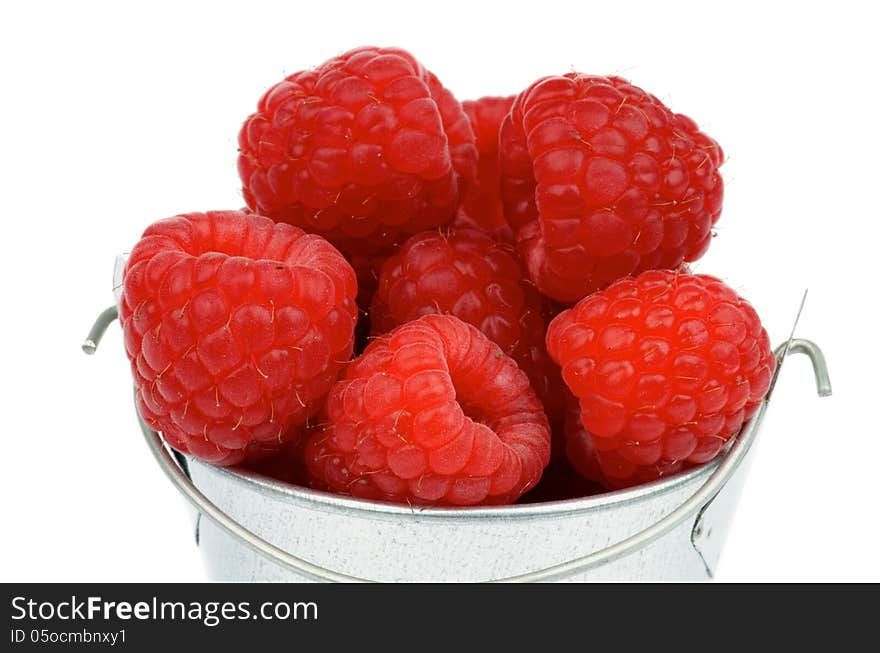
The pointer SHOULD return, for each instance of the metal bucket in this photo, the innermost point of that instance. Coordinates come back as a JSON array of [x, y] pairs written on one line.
[[251, 528]]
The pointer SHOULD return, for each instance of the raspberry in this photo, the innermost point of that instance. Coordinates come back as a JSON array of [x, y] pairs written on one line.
[[367, 146], [666, 367], [481, 204], [600, 180], [236, 327], [432, 413], [466, 273]]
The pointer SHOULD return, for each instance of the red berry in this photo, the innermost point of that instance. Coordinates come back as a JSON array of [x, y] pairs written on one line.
[[432, 413], [236, 327], [600, 180], [466, 273], [666, 367], [481, 206], [365, 147]]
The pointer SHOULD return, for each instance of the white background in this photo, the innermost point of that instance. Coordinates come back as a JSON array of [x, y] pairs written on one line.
[[115, 116]]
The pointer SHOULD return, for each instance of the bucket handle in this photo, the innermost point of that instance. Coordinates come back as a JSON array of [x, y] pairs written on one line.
[[693, 505]]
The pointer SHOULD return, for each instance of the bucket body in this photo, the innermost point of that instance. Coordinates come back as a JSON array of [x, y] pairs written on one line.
[[401, 544]]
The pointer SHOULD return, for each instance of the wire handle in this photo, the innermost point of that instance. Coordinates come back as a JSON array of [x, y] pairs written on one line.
[[105, 319], [703, 495]]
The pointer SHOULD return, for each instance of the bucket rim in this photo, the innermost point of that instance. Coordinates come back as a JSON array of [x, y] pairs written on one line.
[[320, 500]]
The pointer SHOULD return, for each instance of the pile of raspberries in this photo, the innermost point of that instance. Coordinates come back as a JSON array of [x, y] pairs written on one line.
[[437, 302]]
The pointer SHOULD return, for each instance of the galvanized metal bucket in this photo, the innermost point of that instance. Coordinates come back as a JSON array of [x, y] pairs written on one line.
[[252, 528]]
